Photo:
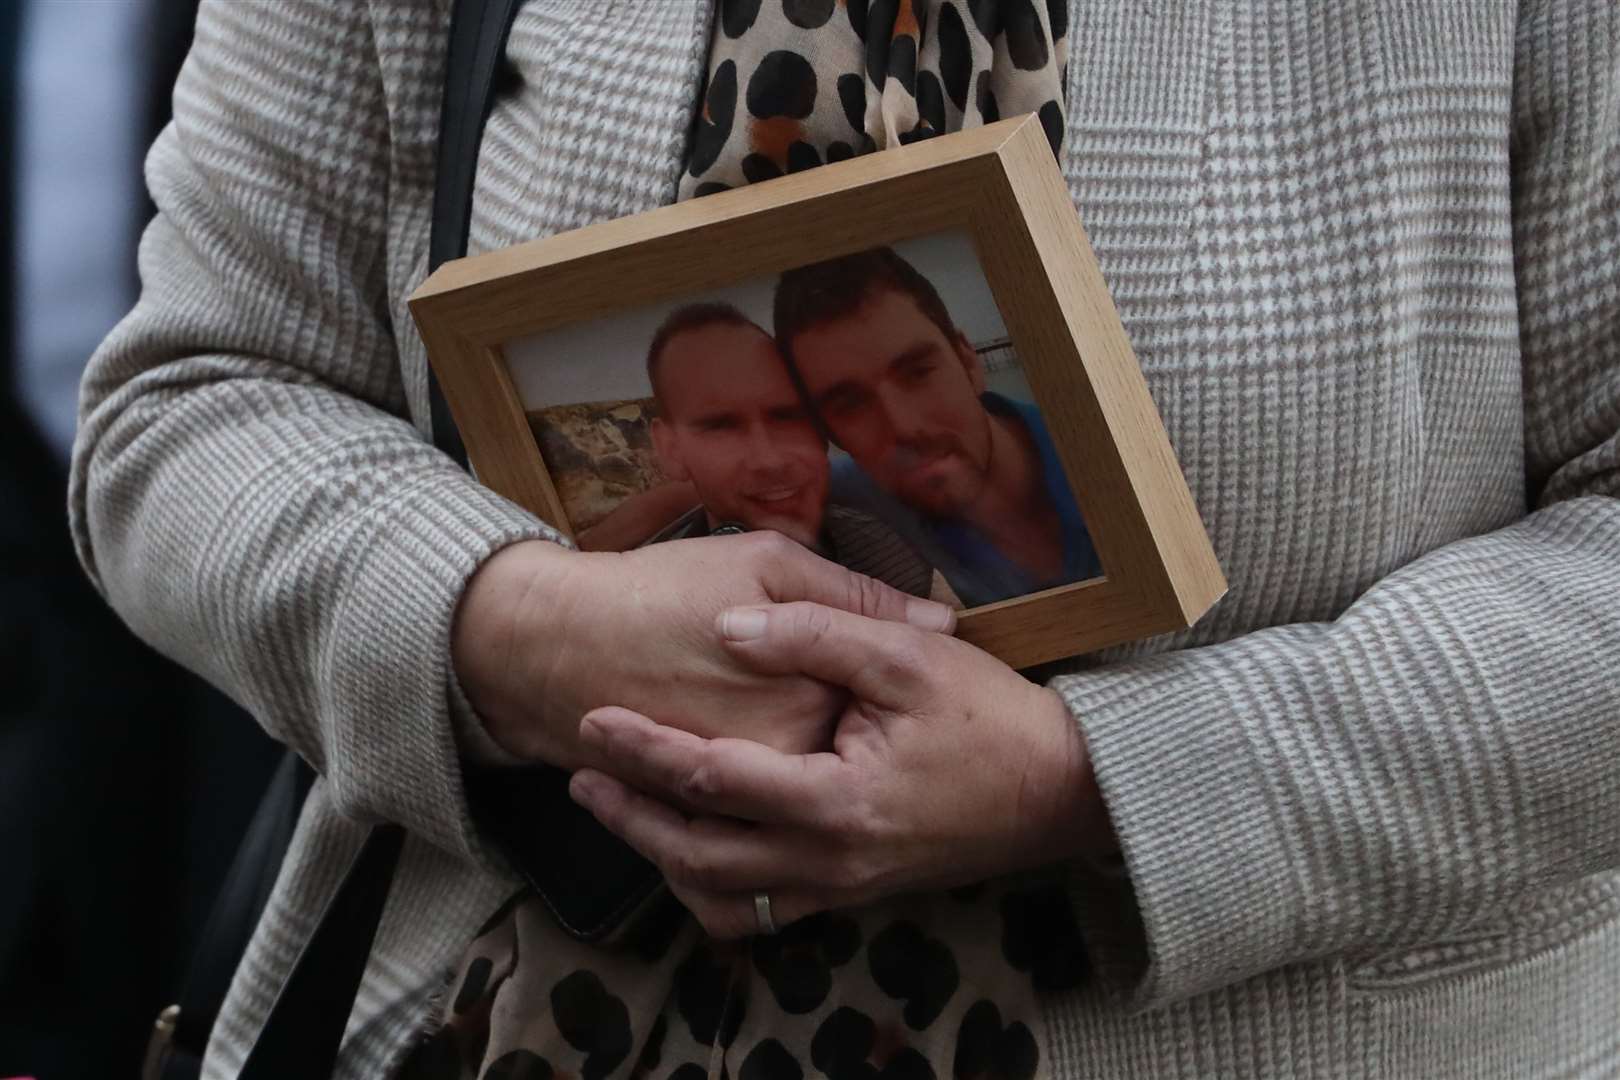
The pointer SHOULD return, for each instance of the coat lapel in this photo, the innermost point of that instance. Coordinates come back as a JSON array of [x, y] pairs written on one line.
[[596, 125], [593, 108]]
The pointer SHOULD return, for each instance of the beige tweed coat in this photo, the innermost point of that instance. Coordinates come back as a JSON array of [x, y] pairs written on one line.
[[1369, 253]]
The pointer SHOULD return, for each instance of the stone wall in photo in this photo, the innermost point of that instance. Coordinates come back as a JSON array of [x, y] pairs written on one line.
[[598, 453]]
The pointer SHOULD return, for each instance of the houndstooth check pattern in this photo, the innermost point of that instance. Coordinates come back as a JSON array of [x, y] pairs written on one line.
[[1368, 254]]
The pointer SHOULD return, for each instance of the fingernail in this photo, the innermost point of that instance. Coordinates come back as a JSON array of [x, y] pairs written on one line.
[[581, 788], [927, 615], [591, 731], [742, 624]]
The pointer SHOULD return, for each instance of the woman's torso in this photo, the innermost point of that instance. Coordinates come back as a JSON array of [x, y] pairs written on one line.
[[1302, 213]]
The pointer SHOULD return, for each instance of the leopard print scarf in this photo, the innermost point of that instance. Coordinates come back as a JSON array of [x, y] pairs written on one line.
[[913, 988], [825, 80]]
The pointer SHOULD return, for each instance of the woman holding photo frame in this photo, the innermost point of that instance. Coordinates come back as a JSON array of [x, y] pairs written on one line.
[[1367, 825]]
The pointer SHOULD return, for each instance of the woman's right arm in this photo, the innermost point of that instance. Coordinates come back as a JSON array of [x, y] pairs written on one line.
[[247, 492]]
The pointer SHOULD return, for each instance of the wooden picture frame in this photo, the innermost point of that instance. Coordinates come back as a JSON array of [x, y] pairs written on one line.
[[1001, 185]]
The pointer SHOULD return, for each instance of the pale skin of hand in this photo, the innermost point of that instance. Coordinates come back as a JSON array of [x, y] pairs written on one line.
[[947, 767], [543, 635]]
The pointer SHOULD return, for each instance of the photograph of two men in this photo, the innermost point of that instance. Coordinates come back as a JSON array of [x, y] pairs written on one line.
[[870, 407]]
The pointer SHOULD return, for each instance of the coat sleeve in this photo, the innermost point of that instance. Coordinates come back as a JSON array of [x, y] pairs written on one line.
[[246, 492], [1449, 744]]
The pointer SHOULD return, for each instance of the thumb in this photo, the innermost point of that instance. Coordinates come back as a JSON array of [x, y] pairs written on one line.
[[802, 575], [879, 662]]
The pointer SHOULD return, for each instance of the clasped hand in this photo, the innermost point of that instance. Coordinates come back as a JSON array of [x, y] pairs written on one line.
[[945, 767], [758, 719], [543, 635]]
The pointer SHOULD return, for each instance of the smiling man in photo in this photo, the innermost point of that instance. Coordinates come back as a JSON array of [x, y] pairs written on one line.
[[730, 423], [968, 476]]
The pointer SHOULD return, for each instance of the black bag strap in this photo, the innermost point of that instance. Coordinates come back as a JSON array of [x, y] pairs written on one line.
[[236, 910], [304, 1029], [305, 1026], [478, 32]]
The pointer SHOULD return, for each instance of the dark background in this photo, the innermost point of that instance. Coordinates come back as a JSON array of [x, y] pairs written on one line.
[[125, 782]]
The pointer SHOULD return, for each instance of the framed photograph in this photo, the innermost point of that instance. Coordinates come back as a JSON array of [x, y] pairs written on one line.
[[907, 362]]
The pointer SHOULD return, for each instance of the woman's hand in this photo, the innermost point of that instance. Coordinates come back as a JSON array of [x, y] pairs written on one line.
[[543, 635], [947, 767]]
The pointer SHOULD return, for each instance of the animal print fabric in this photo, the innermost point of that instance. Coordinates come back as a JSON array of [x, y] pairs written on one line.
[[916, 988], [793, 84], [911, 989]]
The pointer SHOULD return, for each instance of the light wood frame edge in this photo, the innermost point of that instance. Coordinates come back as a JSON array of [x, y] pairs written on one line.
[[1161, 572], [1185, 570]]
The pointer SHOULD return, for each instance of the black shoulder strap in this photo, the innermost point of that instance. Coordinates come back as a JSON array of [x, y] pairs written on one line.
[[478, 31], [302, 1034], [236, 910]]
